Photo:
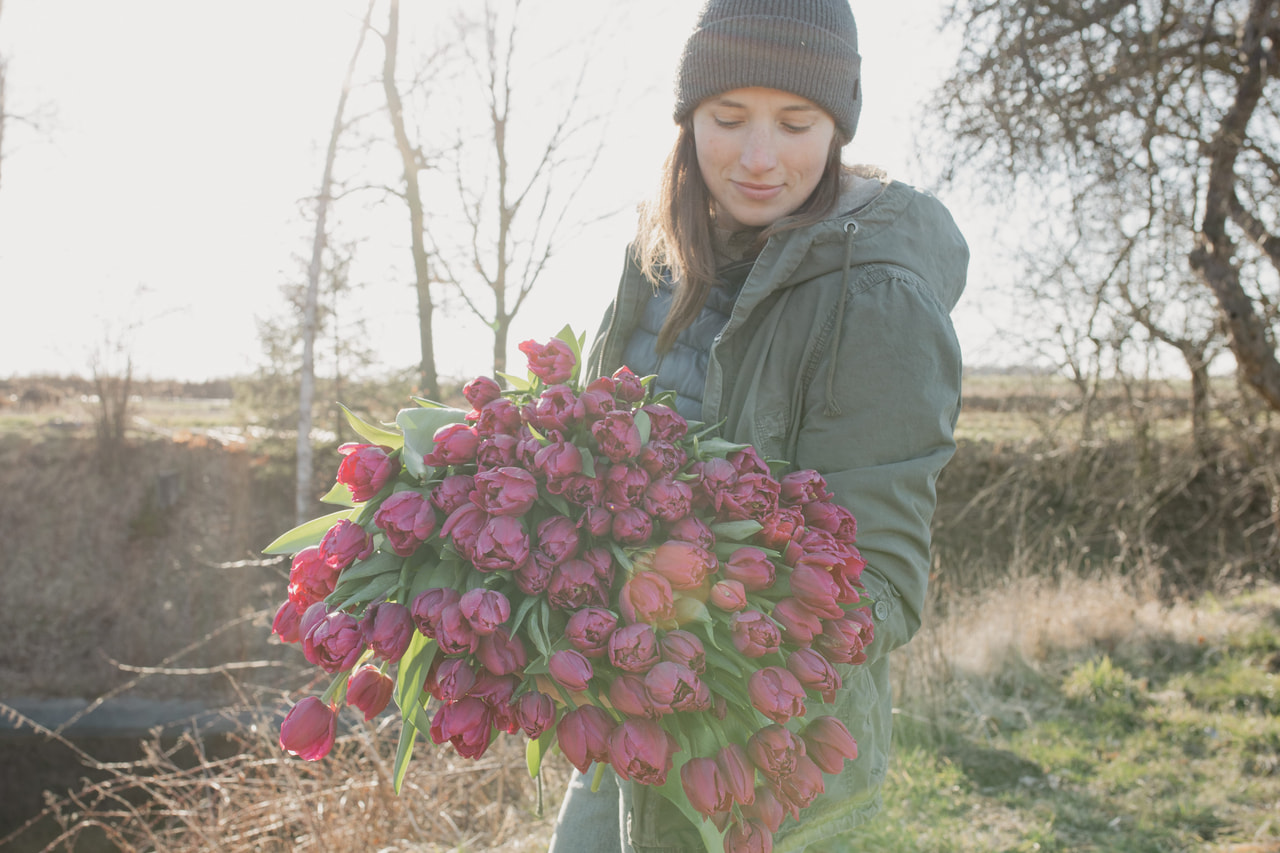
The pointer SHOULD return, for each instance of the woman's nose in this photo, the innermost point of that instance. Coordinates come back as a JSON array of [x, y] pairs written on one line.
[[759, 154]]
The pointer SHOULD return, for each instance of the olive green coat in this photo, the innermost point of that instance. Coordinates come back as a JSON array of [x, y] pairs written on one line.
[[840, 356]]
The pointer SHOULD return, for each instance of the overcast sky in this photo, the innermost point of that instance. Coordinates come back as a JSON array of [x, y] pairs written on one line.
[[178, 140]]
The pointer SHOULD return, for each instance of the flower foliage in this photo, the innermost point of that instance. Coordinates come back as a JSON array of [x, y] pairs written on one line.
[[579, 565]]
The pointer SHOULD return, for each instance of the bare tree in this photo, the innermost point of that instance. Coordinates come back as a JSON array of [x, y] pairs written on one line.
[[413, 163], [1162, 118], [514, 183], [306, 385]]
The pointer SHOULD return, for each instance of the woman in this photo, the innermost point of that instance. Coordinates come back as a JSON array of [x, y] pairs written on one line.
[[805, 305]]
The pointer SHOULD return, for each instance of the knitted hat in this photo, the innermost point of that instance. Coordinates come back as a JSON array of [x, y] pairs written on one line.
[[807, 47]]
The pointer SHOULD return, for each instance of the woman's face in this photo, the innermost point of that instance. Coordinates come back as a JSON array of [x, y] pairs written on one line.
[[761, 152]]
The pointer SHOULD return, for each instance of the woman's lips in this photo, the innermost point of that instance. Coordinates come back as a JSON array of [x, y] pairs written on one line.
[[758, 192]]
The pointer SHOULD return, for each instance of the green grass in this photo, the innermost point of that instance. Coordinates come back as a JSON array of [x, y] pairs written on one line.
[[1130, 751]]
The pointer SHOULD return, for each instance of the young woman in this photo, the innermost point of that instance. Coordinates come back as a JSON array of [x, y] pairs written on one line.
[[804, 304]]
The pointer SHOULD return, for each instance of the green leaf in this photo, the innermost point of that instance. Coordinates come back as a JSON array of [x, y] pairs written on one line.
[[308, 533], [521, 612], [719, 447], [382, 561], [516, 383], [642, 424], [375, 589], [339, 495], [404, 752], [423, 402], [372, 433], [556, 502], [740, 531], [420, 427], [537, 749], [412, 672]]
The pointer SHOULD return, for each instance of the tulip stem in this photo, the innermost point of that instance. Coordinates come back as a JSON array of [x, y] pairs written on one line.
[[337, 690]]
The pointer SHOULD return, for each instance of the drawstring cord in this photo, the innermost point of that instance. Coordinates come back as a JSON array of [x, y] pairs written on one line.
[[833, 408]]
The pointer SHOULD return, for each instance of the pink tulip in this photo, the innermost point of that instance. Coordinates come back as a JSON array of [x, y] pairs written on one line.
[[641, 751], [463, 527], [557, 540], [631, 526], [617, 436], [776, 693], [454, 634], [574, 584], [729, 596], [334, 643], [684, 565], [583, 735], [534, 712], [532, 577], [798, 790], [804, 487], [597, 521], [750, 496], [556, 462], [817, 590], [286, 622], [754, 634], [589, 630], [408, 520], [365, 469], [693, 530], [662, 459], [748, 836], [624, 486], [684, 648], [627, 386], [387, 628], [781, 528], [505, 491], [501, 545], [774, 750], [453, 444], [453, 492], [344, 543], [845, 640], [737, 772], [552, 362], [595, 402], [713, 477], [428, 605], [570, 669], [668, 500], [500, 417], [829, 743], [481, 391], [485, 609], [833, 518], [647, 597], [704, 786], [496, 451], [799, 624], [453, 679], [369, 689], [308, 729], [311, 579], [665, 424], [634, 648], [673, 686], [500, 653], [467, 724], [814, 672], [751, 567], [628, 695], [765, 809], [494, 689]]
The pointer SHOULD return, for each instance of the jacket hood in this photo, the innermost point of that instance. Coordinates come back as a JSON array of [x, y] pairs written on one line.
[[881, 222]]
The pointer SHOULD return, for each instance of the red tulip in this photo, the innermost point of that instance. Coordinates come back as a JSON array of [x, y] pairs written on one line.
[[365, 469], [641, 750], [829, 743], [776, 693], [369, 689], [704, 786], [308, 729], [583, 735], [738, 774], [570, 669], [749, 836]]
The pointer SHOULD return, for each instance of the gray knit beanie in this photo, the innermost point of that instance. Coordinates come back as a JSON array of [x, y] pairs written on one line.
[[807, 47]]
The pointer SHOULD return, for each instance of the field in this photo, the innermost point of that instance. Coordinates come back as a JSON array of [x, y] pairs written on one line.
[[1099, 667]]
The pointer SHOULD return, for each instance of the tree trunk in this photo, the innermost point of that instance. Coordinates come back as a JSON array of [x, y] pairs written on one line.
[[1199, 369], [307, 380], [427, 378], [1212, 259]]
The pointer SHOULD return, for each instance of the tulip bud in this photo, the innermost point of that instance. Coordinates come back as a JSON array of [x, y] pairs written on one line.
[[534, 712], [571, 669], [641, 751], [749, 836], [369, 689], [776, 693], [829, 743], [583, 735], [308, 729], [704, 786], [387, 628]]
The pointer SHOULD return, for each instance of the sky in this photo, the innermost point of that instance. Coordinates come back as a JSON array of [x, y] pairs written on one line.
[[154, 193]]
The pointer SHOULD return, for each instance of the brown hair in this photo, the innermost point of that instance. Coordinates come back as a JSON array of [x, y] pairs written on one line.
[[674, 232]]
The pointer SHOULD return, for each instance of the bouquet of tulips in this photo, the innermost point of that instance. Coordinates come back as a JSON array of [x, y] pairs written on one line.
[[580, 565]]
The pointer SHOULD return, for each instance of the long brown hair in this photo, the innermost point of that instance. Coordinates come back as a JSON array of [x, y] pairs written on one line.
[[674, 232]]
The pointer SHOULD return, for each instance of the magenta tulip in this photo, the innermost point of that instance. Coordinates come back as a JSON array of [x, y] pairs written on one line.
[[387, 627], [647, 597], [570, 669], [365, 469], [748, 836], [344, 543], [684, 565], [589, 630], [627, 694], [752, 568], [754, 634], [552, 362], [505, 491], [534, 712], [500, 653], [617, 436], [814, 672], [641, 751], [453, 492], [428, 605], [829, 743], [774, 750], [481, 391], [704, 786], [407, 519], [454, 444], [467, 724], [334, 643], [311, 579], [583, 735], [308, 729], [776, 693], [369, 689], [684, 648], [286, 622], [730, 596], [484, 609], [799, 624], [634, 648], [738, 774]]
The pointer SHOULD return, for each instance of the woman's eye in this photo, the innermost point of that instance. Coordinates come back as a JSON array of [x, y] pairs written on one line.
[[727, 122], [796, 128]]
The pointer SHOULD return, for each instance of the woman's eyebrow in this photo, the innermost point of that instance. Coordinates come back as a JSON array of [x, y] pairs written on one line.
[[729, 102]]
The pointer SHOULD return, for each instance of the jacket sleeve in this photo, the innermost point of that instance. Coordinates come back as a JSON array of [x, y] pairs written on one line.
[[878, 422]]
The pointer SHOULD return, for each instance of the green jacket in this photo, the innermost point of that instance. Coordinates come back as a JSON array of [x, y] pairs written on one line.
[[840, 356]]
